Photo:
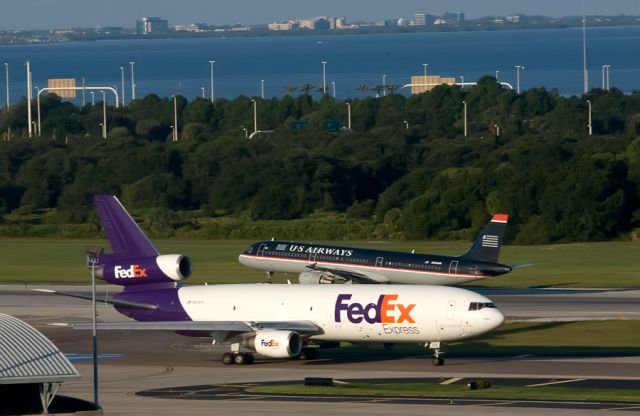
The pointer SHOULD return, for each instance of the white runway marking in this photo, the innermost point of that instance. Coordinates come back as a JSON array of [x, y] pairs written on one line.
[[451, 380], [574, 380]]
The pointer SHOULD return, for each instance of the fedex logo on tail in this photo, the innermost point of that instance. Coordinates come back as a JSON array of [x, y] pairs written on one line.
[[385, 311], [132, 272]]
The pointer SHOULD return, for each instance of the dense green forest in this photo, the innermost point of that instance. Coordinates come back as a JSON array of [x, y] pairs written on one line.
[[404, 170]]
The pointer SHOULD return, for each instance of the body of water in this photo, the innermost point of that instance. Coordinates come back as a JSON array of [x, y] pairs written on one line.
[[552, 58]]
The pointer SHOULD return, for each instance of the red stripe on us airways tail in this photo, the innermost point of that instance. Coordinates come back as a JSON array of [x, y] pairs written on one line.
[[500, 218]]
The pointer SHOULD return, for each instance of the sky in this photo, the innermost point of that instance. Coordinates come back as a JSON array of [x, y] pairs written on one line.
[[47, 14]]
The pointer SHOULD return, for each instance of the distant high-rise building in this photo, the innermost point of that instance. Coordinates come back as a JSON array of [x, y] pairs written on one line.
[[148, 25], [419, 19], [322, 23], [453, 18]]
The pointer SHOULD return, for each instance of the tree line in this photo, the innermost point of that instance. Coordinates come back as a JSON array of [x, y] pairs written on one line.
[[405, 169]]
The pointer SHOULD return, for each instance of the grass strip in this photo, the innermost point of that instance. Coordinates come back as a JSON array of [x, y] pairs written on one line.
[[458, 391], [48, 260]]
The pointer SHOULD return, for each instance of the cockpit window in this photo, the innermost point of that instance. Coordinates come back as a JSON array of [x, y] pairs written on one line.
[[250, 249], [476, 306]]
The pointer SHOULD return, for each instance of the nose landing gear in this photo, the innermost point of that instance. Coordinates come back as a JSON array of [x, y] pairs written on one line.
[[437, 359]]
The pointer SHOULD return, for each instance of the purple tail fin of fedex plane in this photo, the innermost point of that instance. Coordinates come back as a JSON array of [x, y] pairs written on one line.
[[125, 237]]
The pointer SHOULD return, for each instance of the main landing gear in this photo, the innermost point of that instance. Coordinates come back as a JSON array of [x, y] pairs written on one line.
[[437, 359], [240, 358], [269, 276], [307, 353]]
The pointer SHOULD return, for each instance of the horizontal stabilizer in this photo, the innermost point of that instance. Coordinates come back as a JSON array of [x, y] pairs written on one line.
[[109, 300], [302, 327], [520, 266]]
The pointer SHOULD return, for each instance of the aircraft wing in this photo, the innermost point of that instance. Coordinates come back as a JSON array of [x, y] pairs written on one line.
[[306, 328], [109, 300], [350, 275]]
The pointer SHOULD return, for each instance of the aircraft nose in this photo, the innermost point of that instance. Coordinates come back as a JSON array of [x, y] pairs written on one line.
[[494, 318]]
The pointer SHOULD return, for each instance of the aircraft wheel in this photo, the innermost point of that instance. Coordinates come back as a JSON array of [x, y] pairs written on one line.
[[240, 358], [437, 361], [227, 358]]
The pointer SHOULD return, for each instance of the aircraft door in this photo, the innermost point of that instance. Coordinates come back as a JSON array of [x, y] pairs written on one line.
[[453, 267], [379, 261], [260, 253], [312, 257]]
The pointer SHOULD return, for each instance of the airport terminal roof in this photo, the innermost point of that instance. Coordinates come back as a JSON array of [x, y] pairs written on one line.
[[27, 356]]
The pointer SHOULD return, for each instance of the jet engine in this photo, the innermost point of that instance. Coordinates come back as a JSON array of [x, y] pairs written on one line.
[[278, 344], [314, 278], [135, 271]]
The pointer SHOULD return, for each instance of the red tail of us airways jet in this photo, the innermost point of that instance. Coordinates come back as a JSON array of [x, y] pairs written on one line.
[[274, 320]]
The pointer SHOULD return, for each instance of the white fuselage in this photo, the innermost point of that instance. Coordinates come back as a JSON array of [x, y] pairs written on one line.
[[357, 313]]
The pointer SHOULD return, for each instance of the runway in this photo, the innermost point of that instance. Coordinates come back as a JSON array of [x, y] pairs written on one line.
[[170, 362]]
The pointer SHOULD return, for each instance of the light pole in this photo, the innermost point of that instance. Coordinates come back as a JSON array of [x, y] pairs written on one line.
[[93, 98], [607, 85], [175, 118], [384, 85], [211, 73], [133, 81], [497, 75], [584, 50], [466, 131], [348, 115], [518, 68], [255, 116], [6, 74], [84, 97], [406, 125], [603, 77], [122, 81], [29, 96], [589, 126], [425, 66], [38, 126], [92, 259], [104, 115], [462, 81], [262, 89], [333, 87], [497, 130], [324, 77], [246, 133], [202, 91]]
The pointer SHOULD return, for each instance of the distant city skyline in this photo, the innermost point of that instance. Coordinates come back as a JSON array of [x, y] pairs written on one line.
[[43, 14]]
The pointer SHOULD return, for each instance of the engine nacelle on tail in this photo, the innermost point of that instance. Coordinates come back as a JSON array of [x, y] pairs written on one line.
[[278, 344], [166, 268], [314, 278]]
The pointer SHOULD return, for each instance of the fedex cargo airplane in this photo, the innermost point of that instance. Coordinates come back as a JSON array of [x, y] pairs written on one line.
[[276, 321], [321, 263]]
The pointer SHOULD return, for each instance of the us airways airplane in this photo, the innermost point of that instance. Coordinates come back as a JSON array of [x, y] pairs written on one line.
[[273, 320], [320, 263]]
